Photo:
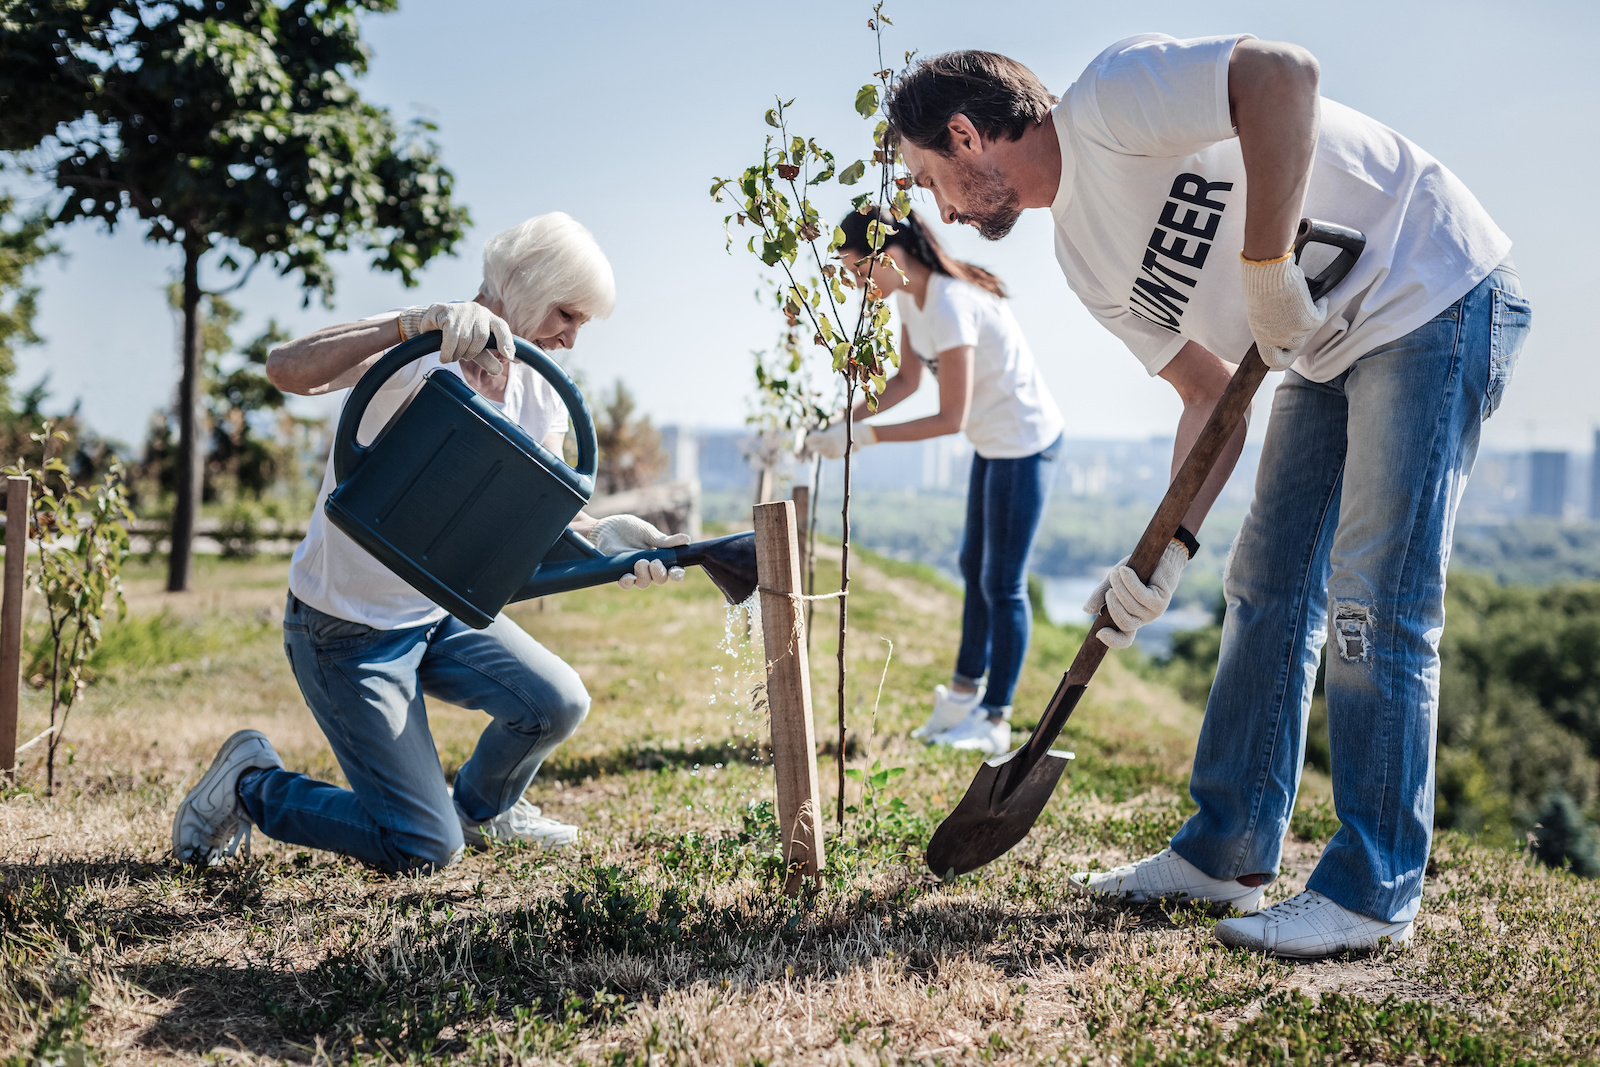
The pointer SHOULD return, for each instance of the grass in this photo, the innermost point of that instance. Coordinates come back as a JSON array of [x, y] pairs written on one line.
[[663, 939]]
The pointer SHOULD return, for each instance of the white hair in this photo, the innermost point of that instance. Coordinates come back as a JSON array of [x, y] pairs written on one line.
[[548, 260]]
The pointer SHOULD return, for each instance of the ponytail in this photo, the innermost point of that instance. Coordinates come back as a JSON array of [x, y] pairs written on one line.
[[917, 241]]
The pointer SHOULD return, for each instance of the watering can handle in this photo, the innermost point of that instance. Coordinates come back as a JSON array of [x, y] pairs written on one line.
[[348, 453]]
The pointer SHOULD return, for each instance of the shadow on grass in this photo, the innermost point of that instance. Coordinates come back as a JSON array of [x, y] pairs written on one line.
[[573, 769], [565, 964]]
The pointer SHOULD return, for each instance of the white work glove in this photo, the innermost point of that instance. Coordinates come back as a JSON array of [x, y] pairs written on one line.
[[467, 327], [829, 443], [617, 534], [1130, 602], [1279, 307]]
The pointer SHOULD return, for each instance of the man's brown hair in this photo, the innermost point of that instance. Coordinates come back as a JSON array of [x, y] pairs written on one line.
[[1000, 96]]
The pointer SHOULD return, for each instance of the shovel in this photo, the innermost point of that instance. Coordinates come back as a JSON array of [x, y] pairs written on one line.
[[1010, 791]]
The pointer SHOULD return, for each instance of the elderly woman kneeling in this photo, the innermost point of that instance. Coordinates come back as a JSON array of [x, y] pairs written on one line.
[[366, 647]]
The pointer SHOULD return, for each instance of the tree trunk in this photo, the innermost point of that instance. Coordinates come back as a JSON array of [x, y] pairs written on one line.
[[191, 451]]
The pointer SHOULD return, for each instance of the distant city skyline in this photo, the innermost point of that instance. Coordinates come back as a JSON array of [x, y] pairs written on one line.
[[624, 124], [1509, 483]]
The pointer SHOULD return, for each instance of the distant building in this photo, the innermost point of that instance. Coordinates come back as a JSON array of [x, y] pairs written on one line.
[[1547, 483], [682, 446], [946, 463], [1594, 479]]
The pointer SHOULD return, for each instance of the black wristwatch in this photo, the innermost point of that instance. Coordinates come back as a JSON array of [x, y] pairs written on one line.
[[1187, 540]]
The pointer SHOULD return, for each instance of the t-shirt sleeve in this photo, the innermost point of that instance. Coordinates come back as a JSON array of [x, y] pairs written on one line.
[[1152, 345], [1155, 95], [406, 378], [954, 321]]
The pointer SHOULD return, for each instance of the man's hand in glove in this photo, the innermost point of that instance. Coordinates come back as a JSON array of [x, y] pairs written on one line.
[[829, 443], [617, 534], [467, 327], [1130, 602], [1279, 307]]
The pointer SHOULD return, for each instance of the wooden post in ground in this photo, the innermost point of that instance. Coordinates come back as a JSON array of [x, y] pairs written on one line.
[[802, 515], [17, 500], [794, 742]]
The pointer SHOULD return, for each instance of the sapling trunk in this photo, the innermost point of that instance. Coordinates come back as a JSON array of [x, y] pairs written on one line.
[[844, 575], [55, 707]]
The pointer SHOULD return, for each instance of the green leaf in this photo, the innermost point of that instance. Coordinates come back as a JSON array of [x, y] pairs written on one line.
[[772, 116], [852, 174], [867, 101]]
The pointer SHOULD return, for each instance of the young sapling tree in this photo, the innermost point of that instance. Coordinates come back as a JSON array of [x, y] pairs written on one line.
[[81, 532], [775, 198]]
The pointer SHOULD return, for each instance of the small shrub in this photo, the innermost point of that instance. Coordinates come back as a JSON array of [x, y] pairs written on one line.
[[1562, 837]]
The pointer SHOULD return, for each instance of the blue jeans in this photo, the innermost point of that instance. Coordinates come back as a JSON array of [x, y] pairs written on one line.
[[1354, 508], [365, 687], [1005, 501]]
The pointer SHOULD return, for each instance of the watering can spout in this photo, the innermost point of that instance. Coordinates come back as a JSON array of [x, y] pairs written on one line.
[[730, 563]]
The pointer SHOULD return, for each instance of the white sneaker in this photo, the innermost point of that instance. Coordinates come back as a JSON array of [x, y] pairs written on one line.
[[1168, 876], [1309, 926], [979, 733], [210, 824], [524, 822], [949, 709]]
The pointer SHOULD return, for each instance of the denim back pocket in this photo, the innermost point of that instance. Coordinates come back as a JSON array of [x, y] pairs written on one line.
[[1512, 318], [332, 635]]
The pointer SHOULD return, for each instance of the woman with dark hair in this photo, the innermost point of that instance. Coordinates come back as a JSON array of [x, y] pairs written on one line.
[[957, 324]]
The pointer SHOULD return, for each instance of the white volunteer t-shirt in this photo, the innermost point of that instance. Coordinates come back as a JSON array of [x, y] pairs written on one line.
[[335, 575], [1150, 213], [1013, 414]]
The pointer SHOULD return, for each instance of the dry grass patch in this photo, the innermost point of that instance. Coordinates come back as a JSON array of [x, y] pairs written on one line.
[[663, 939]]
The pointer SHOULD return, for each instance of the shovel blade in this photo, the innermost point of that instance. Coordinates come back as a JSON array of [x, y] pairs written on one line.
[[1000, 807]]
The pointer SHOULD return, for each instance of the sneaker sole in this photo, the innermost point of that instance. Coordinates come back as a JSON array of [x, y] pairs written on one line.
[[485, 842], [208, 784], [1401, 939], [1215, 906]]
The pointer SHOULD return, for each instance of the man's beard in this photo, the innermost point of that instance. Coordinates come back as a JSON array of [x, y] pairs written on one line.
[[993, 207]]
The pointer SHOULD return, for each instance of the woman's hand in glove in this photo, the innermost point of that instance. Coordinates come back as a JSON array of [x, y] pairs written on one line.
[[1279, 308], [829, 443], [1130, 602], [617, 534], [467, 327]]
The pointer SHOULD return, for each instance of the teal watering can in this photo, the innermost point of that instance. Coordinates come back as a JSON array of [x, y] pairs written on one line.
[[471, 511]]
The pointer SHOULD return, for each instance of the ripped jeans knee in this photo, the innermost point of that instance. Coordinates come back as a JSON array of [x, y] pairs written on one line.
[[1352, 629]]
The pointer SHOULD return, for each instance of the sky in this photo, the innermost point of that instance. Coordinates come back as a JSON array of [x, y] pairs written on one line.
[[621, 114]]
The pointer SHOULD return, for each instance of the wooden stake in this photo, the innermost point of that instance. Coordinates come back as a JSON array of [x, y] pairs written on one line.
[[17, 499], [802, 514], [794, 742]]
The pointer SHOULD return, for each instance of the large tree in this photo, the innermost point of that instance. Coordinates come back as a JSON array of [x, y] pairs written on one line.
[[228, 129]]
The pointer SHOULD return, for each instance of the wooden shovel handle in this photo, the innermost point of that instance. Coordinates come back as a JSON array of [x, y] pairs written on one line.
[[1197, 466]]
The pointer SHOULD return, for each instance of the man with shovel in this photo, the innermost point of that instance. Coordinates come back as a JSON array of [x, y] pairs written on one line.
[[1177, 172]]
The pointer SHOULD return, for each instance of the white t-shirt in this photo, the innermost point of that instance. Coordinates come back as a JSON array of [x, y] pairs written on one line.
[[335, 575], [1150, 212], [1013, 414]]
